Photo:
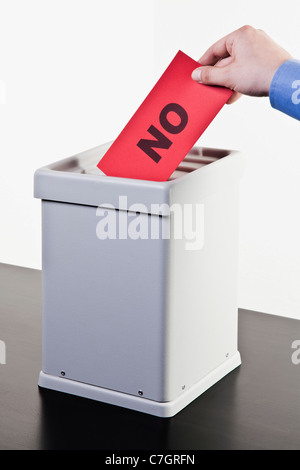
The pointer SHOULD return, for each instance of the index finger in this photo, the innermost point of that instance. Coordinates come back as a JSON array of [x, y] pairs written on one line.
[[216, 52]]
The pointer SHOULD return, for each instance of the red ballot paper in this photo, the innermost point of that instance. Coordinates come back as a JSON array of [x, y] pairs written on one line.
[[166, 125]]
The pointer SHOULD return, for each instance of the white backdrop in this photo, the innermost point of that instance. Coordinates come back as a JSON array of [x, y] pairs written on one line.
[[72, 72], [269, 278]]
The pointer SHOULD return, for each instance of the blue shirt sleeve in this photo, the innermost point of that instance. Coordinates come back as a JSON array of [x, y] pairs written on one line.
[[284, 92]]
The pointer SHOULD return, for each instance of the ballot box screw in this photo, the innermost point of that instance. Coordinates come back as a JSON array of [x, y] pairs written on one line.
[[140, 392], [62, 373], [227, 355], [183, 387]]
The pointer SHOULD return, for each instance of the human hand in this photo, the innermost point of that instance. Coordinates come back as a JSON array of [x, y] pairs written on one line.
[[244, 61]]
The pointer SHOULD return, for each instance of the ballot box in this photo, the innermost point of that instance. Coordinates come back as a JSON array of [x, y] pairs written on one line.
[[139, 280]]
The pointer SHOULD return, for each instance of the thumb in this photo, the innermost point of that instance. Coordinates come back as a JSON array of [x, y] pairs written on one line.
[[211, 75]]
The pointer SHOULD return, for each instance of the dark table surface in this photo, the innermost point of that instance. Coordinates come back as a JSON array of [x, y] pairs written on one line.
[[257, 406]]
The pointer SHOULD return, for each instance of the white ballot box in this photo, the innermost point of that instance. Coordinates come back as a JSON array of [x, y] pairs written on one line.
[[140, 280]]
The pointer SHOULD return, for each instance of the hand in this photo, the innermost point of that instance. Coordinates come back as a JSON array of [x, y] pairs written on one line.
[[244, 61]]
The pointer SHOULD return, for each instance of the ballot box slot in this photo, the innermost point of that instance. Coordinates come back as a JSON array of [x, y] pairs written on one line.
[[207, 153]]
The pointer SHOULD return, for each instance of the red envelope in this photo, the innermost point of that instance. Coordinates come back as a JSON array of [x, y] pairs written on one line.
[[166, 125]]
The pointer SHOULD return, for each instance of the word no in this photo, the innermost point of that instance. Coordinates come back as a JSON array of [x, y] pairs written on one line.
[[162, 141]]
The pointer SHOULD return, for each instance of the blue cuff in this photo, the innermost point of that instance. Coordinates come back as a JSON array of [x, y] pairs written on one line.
[[285, 88]]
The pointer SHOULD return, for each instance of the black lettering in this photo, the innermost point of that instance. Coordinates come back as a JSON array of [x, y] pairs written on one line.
[[180, 111], [161, 142]]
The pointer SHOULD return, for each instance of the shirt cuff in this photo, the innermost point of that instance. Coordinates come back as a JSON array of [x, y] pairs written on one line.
[[284, 92]]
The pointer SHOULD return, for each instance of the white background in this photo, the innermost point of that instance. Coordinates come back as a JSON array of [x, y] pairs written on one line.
[[72, 72]]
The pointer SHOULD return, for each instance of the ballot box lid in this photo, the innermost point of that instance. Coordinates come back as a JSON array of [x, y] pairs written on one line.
[[78, 180]]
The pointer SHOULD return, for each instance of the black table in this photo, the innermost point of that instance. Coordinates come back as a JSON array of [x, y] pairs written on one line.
[[257, 406]]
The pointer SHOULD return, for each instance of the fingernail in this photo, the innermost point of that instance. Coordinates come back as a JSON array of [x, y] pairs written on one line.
[[196, 75]]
